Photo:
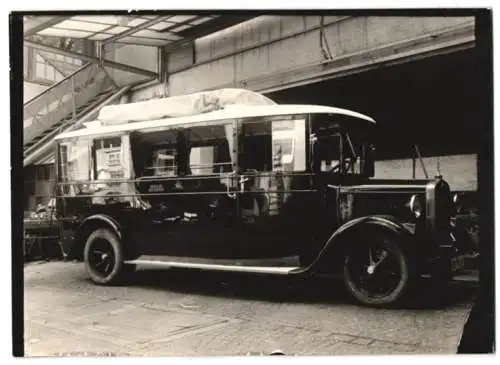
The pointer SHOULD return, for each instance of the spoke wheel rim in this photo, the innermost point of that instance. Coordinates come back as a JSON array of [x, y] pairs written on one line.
[[375, 271], [102, 257]]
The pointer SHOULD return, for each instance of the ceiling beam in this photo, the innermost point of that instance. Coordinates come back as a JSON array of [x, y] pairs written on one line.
[[34, 25], [135, 29], [107, 63], [206, 28]]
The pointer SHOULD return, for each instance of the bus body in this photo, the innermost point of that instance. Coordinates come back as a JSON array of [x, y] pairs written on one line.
[[277, 189]]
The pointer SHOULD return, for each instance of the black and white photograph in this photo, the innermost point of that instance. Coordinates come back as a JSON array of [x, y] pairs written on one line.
[[211, 183]]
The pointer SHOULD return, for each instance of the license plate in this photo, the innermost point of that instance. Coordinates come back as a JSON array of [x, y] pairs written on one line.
[[457, 263]]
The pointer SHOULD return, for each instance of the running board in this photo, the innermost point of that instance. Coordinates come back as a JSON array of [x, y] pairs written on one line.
[[283, 270]]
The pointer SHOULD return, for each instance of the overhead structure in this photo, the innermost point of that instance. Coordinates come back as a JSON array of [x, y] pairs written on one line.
[[167, 31], [112, 64], [35, 24], [133, 30], [67, 103], [146, 30]]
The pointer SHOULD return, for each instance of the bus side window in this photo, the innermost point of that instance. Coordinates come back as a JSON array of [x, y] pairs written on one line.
[[289, 145], [209, 151], [274, 144], [255, 152], [156, 154], [107, 164], [76, 165]]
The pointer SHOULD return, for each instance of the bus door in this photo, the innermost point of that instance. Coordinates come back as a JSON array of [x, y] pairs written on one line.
[[272, 185]]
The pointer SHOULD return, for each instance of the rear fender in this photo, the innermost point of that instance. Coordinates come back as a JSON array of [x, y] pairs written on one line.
[[102, 218], [331, 256]]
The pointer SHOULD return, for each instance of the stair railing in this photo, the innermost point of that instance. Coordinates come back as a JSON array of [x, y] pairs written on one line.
[[45, 145], [63, 99]]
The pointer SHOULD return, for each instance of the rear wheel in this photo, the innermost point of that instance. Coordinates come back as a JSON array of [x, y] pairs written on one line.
[[103, 256], [378, 273]]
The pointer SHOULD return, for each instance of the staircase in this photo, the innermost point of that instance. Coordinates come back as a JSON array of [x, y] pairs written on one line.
[[68, 119], [65, 106]]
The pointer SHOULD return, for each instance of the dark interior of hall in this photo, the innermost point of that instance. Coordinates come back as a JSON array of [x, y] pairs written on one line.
[[432, 102]]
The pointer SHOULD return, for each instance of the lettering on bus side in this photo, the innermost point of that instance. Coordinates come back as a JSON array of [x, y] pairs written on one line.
[[156, 188]]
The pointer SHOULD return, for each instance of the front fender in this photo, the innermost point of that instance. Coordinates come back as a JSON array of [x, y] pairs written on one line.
[[331, 253], [387, 222]]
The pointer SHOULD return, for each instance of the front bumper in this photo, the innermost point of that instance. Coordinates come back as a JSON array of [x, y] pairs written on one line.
[[453, 259], [451, 252]]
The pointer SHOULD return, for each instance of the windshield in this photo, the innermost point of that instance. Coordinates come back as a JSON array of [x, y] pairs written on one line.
[[338, 147]]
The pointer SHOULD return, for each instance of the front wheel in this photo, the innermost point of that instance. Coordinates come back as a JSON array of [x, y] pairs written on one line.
[[103, 256], [378, 273]]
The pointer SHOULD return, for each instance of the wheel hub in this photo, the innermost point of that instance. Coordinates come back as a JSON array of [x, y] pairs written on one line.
[[374, 274], [373, 264]]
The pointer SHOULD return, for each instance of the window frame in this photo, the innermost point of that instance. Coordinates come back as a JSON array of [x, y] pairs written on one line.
[[63, 173], [270, 119], [214, 146], [186, 130], [347, 145]]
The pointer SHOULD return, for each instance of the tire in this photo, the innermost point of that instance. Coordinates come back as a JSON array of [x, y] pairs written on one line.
[[398, 283], [103, 257]]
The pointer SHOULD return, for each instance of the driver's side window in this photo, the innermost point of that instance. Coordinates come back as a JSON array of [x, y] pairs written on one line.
[[334, 151], [327, 152]]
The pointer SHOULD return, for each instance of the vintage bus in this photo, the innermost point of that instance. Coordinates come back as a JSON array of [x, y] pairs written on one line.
[[246, 187]]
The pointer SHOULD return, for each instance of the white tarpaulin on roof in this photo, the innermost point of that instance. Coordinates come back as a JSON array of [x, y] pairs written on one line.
[[177, 106]]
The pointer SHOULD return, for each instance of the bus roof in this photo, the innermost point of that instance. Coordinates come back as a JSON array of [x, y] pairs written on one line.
[[230, 112]]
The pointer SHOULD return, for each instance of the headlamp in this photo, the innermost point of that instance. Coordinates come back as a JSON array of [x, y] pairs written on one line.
[[457, 202], [416, 205]]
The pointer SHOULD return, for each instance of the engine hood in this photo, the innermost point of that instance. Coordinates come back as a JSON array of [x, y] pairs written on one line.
[[380, 197], [389, 185]]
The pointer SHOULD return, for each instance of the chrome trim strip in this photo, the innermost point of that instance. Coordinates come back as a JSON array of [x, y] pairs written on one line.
[[215, 267]]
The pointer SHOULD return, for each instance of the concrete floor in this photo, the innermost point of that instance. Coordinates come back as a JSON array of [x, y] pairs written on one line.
[[176, 312]]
